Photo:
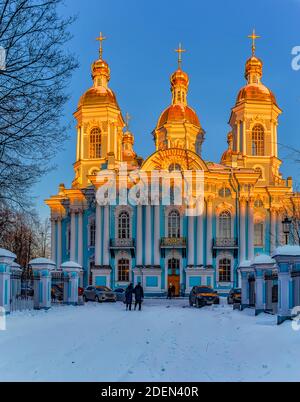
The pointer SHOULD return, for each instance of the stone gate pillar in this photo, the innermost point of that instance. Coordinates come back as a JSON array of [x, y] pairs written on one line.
[[287, 259], [6, 259], [71, 272], [262, 264], [42, 268], [244, 270]]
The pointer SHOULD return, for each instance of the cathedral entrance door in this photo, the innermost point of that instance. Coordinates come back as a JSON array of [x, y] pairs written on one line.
[[174, 275], [175, 281]]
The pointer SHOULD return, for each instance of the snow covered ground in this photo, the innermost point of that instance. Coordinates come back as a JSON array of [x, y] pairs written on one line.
[[168, 341]]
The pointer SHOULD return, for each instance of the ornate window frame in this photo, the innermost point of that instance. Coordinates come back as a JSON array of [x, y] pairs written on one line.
[[91, 220], [118, 211], [91, 132], [168, 211], [169, 255], [120, 256], [221, 208], [221, 256], [262, 141]]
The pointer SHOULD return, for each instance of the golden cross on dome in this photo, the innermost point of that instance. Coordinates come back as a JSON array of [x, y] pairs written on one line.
[[180, 51], [253, 37], [101, 38], [127, 120]]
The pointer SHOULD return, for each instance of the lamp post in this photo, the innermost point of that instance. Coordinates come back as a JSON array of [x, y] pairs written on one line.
[[286, 224]]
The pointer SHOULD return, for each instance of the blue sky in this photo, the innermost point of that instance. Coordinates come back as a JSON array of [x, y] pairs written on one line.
[[141, 38]]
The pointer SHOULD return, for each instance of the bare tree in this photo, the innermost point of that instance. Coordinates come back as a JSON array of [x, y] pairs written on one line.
[[32, 92], [25, 235]]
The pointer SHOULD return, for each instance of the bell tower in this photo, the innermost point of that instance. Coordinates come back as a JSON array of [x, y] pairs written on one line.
[[178, 125], [254, 122], [99, 126]]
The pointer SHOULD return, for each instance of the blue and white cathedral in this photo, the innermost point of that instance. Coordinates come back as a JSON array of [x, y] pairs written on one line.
[[244, 203]]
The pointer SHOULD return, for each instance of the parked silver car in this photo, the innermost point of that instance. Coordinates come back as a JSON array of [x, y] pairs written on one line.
[[99, 294]]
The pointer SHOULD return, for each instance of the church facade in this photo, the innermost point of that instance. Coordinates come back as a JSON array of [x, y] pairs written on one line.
[[244, 197]]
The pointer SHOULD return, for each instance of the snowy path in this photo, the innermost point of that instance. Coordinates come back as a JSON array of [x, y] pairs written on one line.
[[165, 342]]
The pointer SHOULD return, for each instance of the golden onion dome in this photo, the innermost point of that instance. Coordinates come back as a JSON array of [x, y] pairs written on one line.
[[178, 113], [179, 78], [98, 96], [255, 90]]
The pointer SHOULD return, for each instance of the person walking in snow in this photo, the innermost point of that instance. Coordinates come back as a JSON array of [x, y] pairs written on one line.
[[170, 291], [139, 295], [128, 296]]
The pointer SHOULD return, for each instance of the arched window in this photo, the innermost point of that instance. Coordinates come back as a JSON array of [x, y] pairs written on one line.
[[173, 266], [224, 192], [124, 225], [258, 204], [123, 270], [95, 144], [92, 234], [225, 270], [174, 167], [258, 140], [225, 225], [259, 171], [174, 224], [258, 234]]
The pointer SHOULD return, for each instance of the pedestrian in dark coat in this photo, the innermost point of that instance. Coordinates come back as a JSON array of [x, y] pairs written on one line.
[[170, 291], [139, 295], [128, 296]]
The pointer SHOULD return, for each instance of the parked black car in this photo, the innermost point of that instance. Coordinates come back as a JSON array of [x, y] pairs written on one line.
[[234, 296], [201, 296]]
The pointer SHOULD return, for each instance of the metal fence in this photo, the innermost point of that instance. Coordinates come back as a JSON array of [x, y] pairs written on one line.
[[22, 290], [57, 287]]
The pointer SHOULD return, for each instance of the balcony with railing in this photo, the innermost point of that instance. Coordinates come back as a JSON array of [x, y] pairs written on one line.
[[225, 244], [173, 242], [122, 244]]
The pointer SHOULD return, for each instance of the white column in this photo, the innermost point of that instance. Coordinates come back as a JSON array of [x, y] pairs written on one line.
[[242, 230], [273, 229], [106, 236], [53, 240], [191, 239], [139, 236], [157, 235], [59, 244], [279, 230], [80, 250], [148, 239], [81, 143], [200, 239], [98, 236], [73, 237], [238, 139], [250, 230], [78, 144], [209, 232]]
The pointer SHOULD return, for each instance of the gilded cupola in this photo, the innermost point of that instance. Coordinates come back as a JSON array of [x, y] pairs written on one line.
[[179, 126]]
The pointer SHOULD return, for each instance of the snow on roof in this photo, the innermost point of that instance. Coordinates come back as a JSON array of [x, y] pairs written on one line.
[[15, 265], [245, 264], [71, 264], [263, 259], [287, 250], [6, 253], [41, 261]]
